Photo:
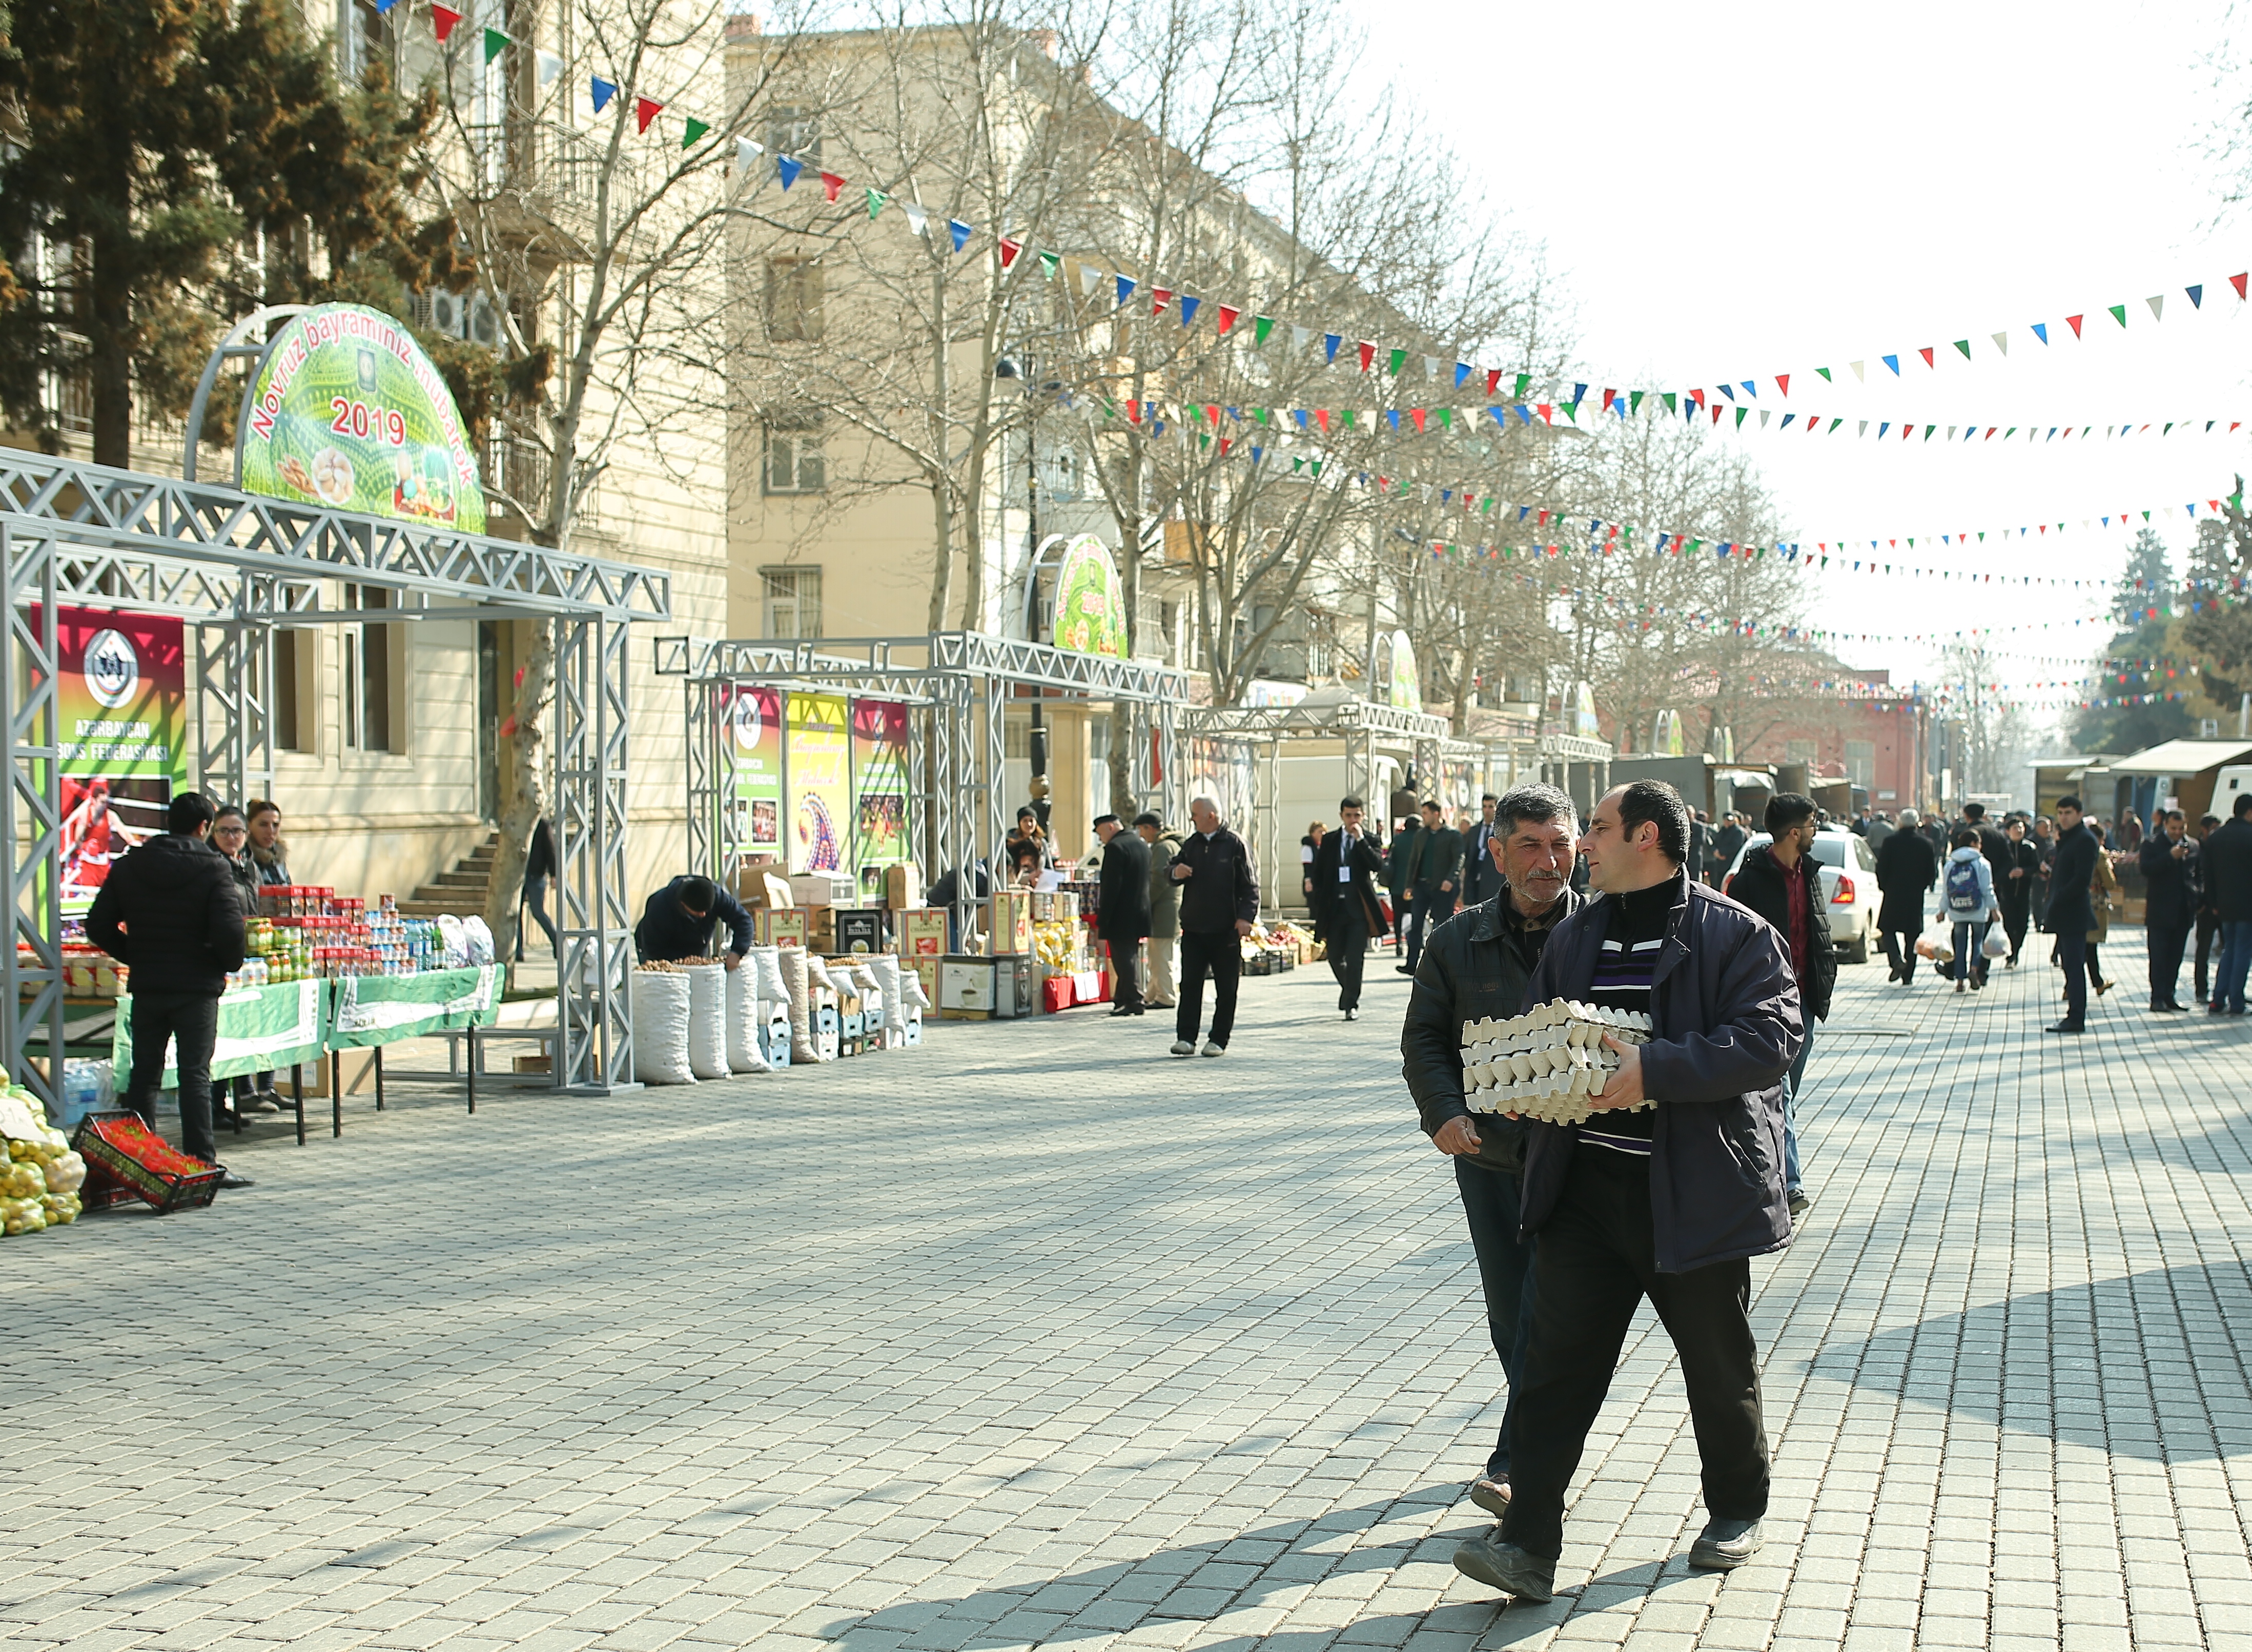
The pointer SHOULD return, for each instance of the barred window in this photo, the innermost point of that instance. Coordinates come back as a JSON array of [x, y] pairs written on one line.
[[792, 602]]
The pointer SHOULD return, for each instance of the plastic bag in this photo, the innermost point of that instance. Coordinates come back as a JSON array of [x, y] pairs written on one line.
[[707, 1020], [661, 1000], [746, 1016], [478, 939], [1997, 945]]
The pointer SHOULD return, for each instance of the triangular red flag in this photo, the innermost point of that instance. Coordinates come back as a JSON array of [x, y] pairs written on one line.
[[1225, 442], [1367, 354], [1133, 412], [1159, 297], [1544, 409], [1211, 412], [647, 109], [1227, 315], [2238, 281], [1696, 396], [2073, 321], [443, 18], [1926, 353], [1416, 413], [1610, 396], [1008, 248], [1782, 382], [830, 184], [1492, 378], [1322, 418]]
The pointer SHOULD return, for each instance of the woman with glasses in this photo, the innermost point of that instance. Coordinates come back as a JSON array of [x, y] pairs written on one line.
[[229, 835]]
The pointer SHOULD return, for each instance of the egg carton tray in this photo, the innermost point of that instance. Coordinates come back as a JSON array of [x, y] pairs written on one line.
[[1548, 1062]]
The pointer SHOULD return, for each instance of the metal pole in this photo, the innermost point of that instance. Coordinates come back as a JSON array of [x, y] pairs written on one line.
[[30, 814]]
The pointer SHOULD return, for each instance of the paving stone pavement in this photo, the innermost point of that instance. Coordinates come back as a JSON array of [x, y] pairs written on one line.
[[1036, 1337]]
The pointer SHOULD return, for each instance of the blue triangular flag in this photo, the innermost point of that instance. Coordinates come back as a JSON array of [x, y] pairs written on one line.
[[789, 168], [1501, 419], [1299, 414], [1523, 413], [383, 7], [959, 230], [1125, 290], [1330, 342], [1727, 392], [1257, 454], [2196, 296], [1189, 309], [1751, 389], [604, 91], [1462, 371], [1579, 394], [1893, 363], [1393, 414], [2041, 331]]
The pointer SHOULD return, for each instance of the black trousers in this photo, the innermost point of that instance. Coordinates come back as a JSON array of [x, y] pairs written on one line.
[[2208, 929], [2072, 949], [1124, 988], [1223, 955], [1594, 1265], [1900, 951], [190, 1021], [1348, 954], [2014, 919], [1505, 1270], [2166, 942]]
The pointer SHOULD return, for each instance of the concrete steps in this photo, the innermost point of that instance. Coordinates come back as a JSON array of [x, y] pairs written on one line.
[[462, 890]]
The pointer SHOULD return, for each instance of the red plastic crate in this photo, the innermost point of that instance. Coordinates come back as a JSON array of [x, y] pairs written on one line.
[[123, 1153]]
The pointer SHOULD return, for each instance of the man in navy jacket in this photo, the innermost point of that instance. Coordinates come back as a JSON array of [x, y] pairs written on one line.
[[1669, 1202]]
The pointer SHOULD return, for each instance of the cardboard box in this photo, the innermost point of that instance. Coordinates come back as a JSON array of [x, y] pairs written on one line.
[[919, 931], [858, 929], [774, 1037], [966, 987], [763, 887], [824, 888], [1010, 921], [780, 926], [1012, 985], [926, 970], [902, 886]]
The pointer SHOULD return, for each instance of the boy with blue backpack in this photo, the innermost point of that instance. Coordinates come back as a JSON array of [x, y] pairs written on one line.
[[1966, 886]]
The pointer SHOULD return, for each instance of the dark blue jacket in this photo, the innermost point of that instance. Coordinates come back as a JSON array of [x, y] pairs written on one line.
[[666, 933], [2071, 912], [1728, 1028], [2169, 886]]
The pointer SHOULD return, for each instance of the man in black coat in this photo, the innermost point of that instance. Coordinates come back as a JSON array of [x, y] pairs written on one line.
[[2015, 875], [1123, 909], [1726, 842], [1434, 877], [2226, 863], [1906, 870], [1476, 967], [1342, 878], [1397, 858], [171, 910], [2208, 916], [1219, 902], [2071, 914], [2169, 864], [1666, 1192], [677, 922], [1782, 882], [1481, 872]]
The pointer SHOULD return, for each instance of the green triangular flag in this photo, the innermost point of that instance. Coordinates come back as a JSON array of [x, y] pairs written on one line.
[[1398, 360], [694, 129], [1347, 415], [1262, 414], [2236, 500], [1261, 326], [1523, 379], [494, 41], [1297, 464], [2119, 313], [1204, 441], [1671, 406], [1051, 263], [1446, 418], [1834, 423], [1570, 410], [876, 199], [1487, 505], [1824, 372], [1964, 344], [1634, 400], [1317, 467], [1740, 416]]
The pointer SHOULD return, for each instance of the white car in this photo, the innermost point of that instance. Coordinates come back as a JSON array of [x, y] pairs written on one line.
[[1849, 881]]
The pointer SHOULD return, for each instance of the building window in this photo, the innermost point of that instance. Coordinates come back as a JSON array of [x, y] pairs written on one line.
[[791, 131], [369, 678], [1861, 763], [793, 291], [1805, 751], [292, 690], [792, 459], [792, 599]]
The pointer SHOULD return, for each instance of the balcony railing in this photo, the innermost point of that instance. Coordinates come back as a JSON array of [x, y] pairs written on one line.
[[541, 182]]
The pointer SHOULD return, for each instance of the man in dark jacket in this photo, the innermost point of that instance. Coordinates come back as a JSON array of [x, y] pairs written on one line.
[[1219, 902], [1669, 1203], [2015, 875], [1782, 882], [678, 922], [1122, 910], [1478, 966], [1434, 878], [2168, 860], [2208, 916], [1906, 870], [1481, 872], [1163, 989], [169, 910], [2226, 863], [1727, 843], [1343, 893], [1397, 858], [2071, 914]]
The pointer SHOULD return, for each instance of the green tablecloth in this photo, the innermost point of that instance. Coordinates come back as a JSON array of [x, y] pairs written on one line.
[[260, 1028], [382, 1009]]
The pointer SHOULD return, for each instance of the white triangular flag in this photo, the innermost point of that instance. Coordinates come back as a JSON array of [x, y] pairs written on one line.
[[1090, 279], [917, 219], [2157, 302], [1298, 337], [2002, 343], [1431, 367], [746, 155], [1858, 374], [550, 65], [1763, 418]]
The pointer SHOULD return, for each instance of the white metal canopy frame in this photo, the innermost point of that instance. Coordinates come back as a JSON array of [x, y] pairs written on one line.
[[959, 685], [234, 566]]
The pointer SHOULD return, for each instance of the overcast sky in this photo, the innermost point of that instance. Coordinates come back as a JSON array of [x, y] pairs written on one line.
[[1735, 191]]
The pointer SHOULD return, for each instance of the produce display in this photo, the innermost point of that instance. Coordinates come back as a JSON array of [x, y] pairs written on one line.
[[309, 932], [1056, 944], [39, 1182], [1547, 1063]]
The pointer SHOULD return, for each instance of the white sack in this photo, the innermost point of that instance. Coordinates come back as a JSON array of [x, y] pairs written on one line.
[[746, 1016], [707, 1020], [660, 1013]]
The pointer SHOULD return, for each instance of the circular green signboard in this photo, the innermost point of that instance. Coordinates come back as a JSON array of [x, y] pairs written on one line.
[[346, 411]]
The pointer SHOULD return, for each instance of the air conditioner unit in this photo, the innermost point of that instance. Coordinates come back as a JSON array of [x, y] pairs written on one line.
[[484, 325], [447, 312]]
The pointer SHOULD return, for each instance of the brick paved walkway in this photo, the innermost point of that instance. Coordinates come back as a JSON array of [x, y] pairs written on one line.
[[1039, 1338]]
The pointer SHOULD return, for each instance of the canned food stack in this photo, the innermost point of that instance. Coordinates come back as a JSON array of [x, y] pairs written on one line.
[[306, 931], [1548, 1062]]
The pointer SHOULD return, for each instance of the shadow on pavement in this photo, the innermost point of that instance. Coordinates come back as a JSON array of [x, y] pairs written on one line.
[[2152, 1366]]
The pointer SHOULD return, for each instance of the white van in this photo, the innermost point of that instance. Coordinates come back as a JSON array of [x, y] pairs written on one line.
[[2229, 784]]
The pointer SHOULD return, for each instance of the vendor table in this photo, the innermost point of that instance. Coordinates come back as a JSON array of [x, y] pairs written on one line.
[[371, 1011]]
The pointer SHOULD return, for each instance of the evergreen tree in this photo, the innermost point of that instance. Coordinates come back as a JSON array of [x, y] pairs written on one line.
[[2220, 629], [2145, 583], [154, 140]]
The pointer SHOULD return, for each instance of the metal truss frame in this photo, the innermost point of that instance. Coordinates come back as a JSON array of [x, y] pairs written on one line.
[[959, 685], [235, 565]]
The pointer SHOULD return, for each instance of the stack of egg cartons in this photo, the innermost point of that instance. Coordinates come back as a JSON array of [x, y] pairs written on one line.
[[1548, 1062]]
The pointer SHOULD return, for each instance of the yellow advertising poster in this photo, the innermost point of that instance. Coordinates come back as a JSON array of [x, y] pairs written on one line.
[[819, 770]]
